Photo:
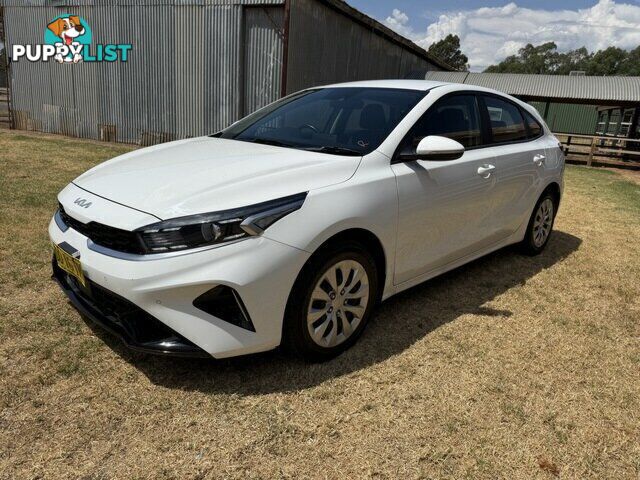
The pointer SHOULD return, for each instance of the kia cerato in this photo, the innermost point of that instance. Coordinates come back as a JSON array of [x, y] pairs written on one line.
[[289, 226]]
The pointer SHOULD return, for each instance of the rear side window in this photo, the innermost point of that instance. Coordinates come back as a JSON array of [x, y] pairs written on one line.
[[456, 117], [507, 124], [535, 129]]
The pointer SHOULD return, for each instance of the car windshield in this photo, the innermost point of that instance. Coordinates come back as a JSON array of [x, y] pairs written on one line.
[[342, 121]]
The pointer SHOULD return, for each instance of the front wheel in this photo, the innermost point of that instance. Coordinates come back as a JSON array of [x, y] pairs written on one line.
[[331, 302], [540, 225]]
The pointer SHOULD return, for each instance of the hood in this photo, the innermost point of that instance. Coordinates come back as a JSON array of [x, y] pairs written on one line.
[[210, 174]]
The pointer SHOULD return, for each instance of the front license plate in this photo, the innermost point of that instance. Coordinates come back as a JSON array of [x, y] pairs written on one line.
[[69, 263]]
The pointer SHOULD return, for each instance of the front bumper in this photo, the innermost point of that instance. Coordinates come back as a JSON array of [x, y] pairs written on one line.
[[161, 289], [135, 327]]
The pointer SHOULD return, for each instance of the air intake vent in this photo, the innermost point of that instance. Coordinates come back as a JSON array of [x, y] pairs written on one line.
[[224, 303]]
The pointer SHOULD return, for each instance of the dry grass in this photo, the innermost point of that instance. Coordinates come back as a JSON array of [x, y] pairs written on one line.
[[511, 367]]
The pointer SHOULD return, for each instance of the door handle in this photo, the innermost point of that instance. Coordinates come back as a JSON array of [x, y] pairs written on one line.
[[539, 159], [486, 170]]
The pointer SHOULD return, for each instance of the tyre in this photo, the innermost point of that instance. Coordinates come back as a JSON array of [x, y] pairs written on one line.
[[540, 225], [331, 302]]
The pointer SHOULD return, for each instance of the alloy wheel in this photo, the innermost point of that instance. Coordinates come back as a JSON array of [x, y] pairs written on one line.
[[542, 222]]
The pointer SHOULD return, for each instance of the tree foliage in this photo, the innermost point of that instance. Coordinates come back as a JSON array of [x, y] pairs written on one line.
[[545, 59], [448, 50]]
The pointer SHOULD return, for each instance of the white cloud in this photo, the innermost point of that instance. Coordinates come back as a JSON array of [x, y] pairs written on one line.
[[398, 22], [490, 34]]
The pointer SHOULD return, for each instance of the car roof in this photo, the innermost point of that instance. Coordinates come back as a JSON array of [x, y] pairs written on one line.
[[402, 84]]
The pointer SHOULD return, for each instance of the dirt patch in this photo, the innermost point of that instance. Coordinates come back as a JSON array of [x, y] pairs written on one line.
[[631, 175]]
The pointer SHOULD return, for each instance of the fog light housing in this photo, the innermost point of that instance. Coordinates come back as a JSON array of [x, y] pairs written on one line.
[[225, 303]]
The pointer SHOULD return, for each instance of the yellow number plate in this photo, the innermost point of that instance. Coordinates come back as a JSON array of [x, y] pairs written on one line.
[[69, 264]]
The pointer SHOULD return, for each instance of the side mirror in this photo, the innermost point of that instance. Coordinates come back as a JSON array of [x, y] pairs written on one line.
[[436, 148]]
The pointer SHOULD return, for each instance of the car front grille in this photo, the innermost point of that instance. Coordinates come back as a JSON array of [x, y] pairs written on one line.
[[104, 235]]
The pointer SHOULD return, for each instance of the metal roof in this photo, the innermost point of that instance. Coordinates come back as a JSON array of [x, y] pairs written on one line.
[[384, 31], [574, 89]]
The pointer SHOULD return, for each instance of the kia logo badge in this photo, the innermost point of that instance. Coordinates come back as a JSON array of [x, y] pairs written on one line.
[[82, 202]]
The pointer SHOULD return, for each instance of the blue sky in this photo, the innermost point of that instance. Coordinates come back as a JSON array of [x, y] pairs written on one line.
[[490, 30], [417, 9]]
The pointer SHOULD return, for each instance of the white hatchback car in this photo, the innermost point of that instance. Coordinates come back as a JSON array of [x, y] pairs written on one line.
[[290, 225]]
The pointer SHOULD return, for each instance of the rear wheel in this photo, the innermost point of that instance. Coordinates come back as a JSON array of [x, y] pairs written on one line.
[[331, 302], [540, 225]]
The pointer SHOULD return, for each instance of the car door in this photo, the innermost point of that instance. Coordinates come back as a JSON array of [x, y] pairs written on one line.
[[443, 205], [518, 154]]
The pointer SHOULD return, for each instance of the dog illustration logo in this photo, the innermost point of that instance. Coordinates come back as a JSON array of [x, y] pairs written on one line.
[[70, 31], [68, 40]]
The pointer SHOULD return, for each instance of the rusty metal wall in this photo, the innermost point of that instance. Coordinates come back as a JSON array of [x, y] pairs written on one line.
[[183, 78], [328, 46], [264, 39]]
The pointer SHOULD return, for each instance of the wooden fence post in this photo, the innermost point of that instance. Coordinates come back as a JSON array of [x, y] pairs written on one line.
[[591, 152]]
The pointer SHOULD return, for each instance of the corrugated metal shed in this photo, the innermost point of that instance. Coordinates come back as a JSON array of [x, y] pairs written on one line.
[[76, 3], [263, 56], [196, 65], [577, 89], [568, 118], [331, 42], [173, 86]]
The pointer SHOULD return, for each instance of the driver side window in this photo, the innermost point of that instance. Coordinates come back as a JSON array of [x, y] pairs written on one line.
[[456, 117]]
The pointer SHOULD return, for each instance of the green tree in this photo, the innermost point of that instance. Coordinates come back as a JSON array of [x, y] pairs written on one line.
[[574, 60], [631, 64], [545, 59], [530, 59], [607, 61], [511, 64], [448, 50]]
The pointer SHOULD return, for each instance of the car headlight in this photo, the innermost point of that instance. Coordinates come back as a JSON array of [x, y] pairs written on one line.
[[217, 227]]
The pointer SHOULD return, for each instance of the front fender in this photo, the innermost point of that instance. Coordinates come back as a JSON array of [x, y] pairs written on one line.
[[367, 201]]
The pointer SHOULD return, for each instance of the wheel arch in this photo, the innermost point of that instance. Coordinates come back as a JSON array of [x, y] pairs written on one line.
[[362, 236], [369, 241], [554, 189]]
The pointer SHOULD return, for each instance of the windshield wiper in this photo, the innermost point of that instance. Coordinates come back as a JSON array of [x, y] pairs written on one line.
[[333, 149], [268, 141], [323, 149]]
